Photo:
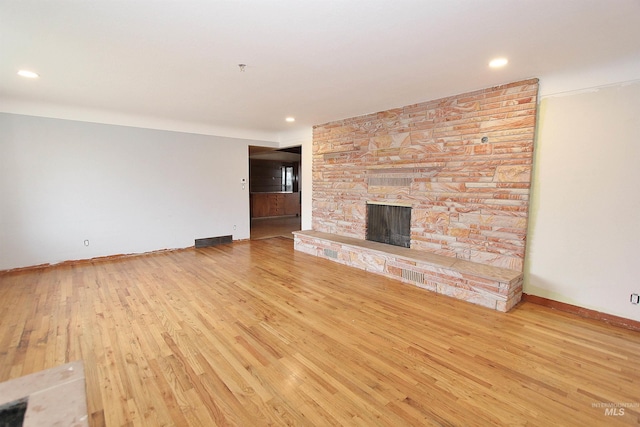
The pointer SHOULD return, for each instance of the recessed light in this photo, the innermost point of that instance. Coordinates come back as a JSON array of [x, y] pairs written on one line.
[[498, 62], [28, 74], [290, 119]]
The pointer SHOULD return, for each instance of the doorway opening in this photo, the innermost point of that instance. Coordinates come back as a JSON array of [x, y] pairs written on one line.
[[274, 191]]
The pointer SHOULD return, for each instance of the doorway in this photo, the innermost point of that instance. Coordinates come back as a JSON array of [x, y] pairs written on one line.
[[274, 191]]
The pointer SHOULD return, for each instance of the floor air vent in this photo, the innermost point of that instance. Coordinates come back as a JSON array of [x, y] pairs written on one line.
[[414, 276], [213, 241]]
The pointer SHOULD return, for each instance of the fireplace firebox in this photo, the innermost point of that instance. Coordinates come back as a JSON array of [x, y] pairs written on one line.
[[389, 224]]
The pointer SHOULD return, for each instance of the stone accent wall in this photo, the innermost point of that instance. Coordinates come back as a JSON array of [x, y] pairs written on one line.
[[470, 197]]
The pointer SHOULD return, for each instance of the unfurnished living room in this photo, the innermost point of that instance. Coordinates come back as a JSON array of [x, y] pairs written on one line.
[[319, 213]]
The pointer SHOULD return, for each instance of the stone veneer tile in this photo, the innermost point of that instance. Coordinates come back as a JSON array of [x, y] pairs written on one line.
[[467, 295]]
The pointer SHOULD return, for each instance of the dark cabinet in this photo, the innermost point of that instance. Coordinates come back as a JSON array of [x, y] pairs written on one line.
[[292, 204], [274, 204]]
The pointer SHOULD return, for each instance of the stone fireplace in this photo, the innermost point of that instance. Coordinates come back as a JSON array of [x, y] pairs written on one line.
[[462, 163]]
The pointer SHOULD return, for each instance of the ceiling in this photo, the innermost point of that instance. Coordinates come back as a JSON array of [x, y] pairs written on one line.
[[176, 62]]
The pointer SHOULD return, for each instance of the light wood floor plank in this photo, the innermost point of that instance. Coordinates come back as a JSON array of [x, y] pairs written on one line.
[[253, 333]]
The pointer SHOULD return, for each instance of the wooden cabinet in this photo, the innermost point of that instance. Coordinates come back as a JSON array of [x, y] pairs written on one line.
[[264, 204], [274, 204], [259, 205], [292, 204]]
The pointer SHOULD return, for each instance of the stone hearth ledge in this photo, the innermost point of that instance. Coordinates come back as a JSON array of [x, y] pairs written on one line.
[[57, 396], [492, 287]]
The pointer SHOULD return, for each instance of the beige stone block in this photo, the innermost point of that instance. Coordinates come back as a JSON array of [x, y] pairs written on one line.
[[446, 187], [509, 236], [393, 270], [398, 193], [457, 232], [390, 115], [340, 131], [421, 136], [519, 173], [367, 261], [307, 248], [505, 306], [502, 306], [357, 212], [493, 220], [390, 141], [349, 186], [422, 151], [498, 260], [422, 216], [479, 150], [322, 147], [467, 295], [466, 106], [525, 148]]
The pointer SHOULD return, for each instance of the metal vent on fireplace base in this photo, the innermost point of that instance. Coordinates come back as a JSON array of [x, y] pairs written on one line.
[[414, 276], [330, 253]]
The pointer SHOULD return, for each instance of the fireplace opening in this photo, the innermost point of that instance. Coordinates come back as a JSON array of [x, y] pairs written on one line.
[[389, 224]]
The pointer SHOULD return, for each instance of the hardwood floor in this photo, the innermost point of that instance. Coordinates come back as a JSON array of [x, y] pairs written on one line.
[[253, 333], [263, 228]]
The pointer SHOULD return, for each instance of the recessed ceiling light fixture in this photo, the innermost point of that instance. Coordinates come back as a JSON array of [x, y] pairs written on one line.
[[498, 62], [290, 119], [28, 74]]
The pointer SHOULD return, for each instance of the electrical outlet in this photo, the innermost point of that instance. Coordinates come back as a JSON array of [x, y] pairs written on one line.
[[635, 299], [86, 242], [234, 226]]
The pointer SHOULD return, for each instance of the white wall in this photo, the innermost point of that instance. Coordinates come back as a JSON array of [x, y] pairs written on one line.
[[125, 189], [584, 225]]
